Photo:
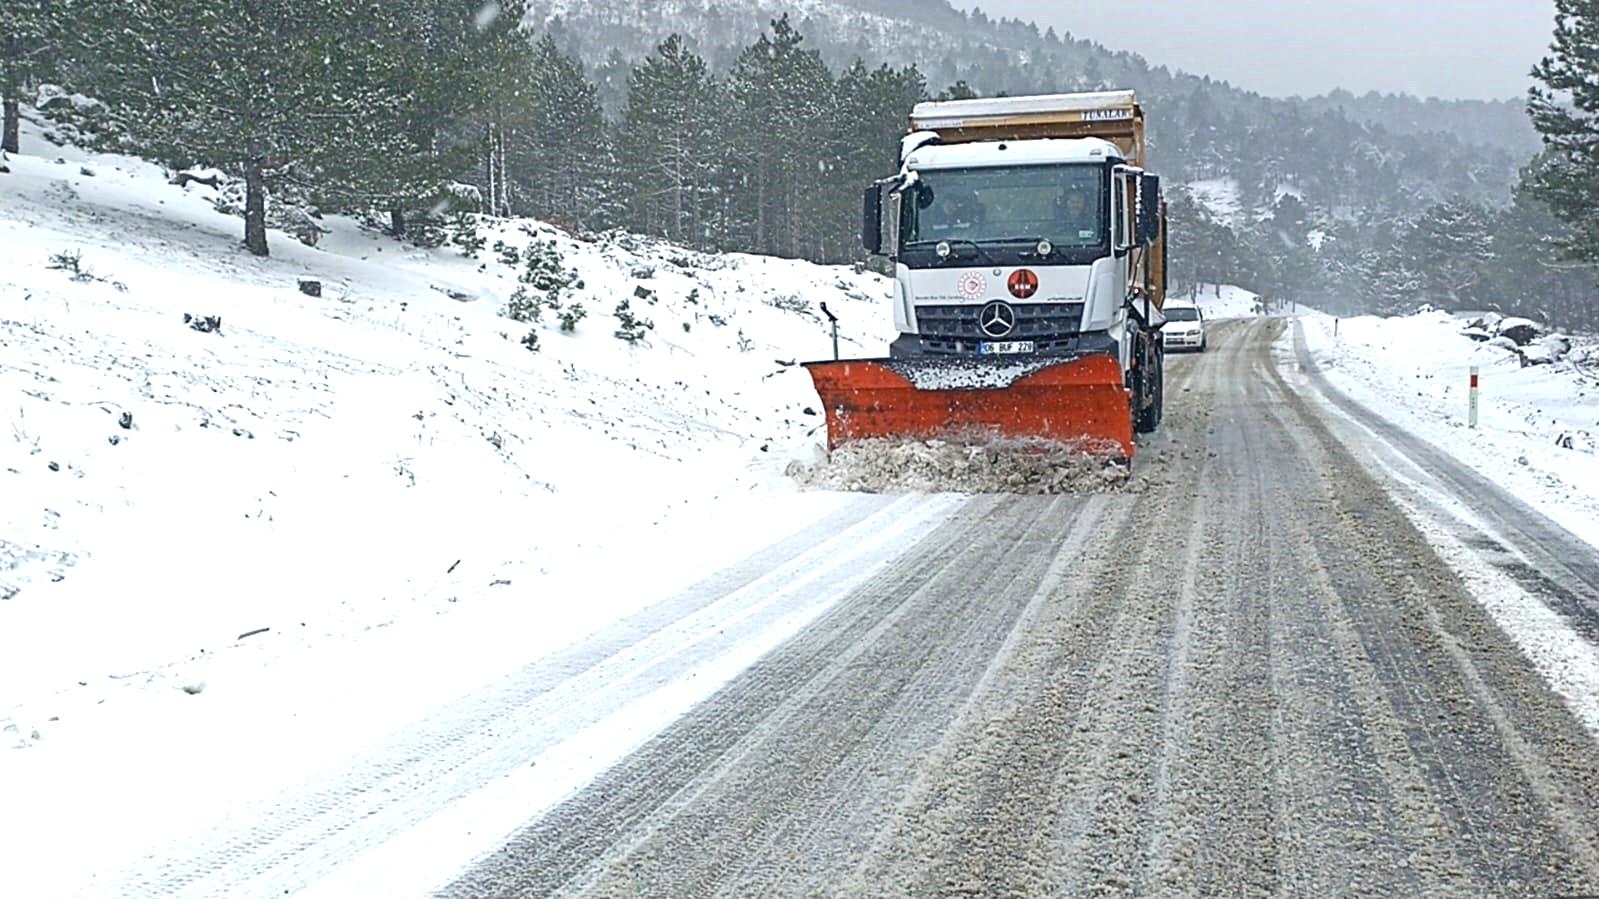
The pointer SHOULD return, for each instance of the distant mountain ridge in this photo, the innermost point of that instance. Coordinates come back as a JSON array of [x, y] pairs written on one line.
[[949, 45], [1502, 124], [1288, 196]]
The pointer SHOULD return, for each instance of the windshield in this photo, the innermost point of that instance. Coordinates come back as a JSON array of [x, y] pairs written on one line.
[[1060, 203], [1181, 314]]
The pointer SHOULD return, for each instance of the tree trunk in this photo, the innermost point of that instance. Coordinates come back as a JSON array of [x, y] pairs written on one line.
[[397, 222], [255, 239], [679, 187], [12, 125], [502, 203], [488, 159], [10, 91], [760, 210], [498, 201]]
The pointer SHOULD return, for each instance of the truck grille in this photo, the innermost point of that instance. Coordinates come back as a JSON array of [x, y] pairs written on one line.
[[954, 329]]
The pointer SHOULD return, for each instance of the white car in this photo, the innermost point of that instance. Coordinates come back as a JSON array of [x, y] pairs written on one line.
[[1185, 327]]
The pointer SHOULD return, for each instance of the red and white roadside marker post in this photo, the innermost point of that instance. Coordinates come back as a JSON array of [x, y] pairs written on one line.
[[1471, 415]]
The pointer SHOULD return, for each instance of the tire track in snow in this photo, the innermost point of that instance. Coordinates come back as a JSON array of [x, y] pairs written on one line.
[[288, 844], [1558, 566], [1254, 679], [749, 774]]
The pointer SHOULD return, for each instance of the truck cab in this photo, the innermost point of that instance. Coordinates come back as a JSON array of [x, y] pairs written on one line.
[[1023, 227], [1028, 249]]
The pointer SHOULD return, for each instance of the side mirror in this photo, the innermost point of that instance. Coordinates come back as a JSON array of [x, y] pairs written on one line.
[[872, 220], [1149, 203]]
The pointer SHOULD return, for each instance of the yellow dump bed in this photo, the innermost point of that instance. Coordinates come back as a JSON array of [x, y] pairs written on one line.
[[1112, 115]]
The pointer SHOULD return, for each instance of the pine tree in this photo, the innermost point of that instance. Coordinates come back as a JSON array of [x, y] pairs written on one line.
[[868, 118], [256, 85], [1531, 277], [1340, 267], [668, 130], [1390, 277], [960, 90], [1200, 249], [1093, 77], [29, 32], [505, 114], [1287, 243], [779, 91], [1565, 110], [452, 64], [1450, 247], [563, 156]]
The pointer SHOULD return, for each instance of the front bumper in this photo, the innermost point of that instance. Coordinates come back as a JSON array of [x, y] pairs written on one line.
[[917, 346], [1187, 340]]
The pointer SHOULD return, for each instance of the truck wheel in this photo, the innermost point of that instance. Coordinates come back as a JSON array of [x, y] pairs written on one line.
[[1148, 417]]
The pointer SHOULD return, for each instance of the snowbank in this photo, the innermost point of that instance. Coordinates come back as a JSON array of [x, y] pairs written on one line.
[[1218, 301], [245, 530], [1538, 433], [345, 432], [1220, 198]]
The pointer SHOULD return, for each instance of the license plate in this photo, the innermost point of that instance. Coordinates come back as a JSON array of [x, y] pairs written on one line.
[[1005, 347]]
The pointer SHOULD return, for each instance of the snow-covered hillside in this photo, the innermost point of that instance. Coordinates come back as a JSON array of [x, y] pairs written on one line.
[[1219, 197], [346, 432], [201, 528], [636, 27], [1218, 301], [1538, 432]]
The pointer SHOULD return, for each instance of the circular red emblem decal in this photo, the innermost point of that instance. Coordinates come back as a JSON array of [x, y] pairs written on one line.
[[972, 285], [1023, 284]]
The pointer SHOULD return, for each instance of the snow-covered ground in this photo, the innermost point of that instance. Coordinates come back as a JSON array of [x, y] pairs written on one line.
[[230, 558], [1219, 301], [1220, 198], [1538, 425], [1535, 440]]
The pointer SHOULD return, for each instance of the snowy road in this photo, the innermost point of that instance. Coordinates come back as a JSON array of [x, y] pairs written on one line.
[[561, 614], [1258, 676], [1543, 557]]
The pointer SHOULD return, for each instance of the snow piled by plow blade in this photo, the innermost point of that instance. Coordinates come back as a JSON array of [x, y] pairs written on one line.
[[996, 465]]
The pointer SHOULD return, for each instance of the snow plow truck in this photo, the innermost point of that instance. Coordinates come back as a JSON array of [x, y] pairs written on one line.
[[1028, 246]]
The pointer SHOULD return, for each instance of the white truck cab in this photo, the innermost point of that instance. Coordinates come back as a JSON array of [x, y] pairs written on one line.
[[1013, 247], [1024, 231]]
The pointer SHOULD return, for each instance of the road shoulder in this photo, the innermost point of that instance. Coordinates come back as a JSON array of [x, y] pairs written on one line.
[[1538, 580]]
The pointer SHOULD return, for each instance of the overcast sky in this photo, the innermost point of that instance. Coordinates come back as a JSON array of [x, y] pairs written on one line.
[[1479, 49]]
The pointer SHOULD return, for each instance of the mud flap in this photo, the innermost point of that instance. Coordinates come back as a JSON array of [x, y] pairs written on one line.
[[1080, 401]]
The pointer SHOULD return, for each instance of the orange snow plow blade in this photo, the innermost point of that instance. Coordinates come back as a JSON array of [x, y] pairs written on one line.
[[1077, 401]]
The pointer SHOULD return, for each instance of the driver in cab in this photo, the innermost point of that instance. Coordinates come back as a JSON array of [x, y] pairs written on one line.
[[1075, 213], [948, 212]]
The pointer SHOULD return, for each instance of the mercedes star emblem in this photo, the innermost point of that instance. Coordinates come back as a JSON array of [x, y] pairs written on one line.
[[997, 319]]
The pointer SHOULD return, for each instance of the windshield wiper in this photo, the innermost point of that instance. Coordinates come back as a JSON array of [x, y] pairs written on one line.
[[1035, 241], [952, 241]]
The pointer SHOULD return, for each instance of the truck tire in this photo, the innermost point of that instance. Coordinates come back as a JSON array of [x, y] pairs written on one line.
[[1148, 417]]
